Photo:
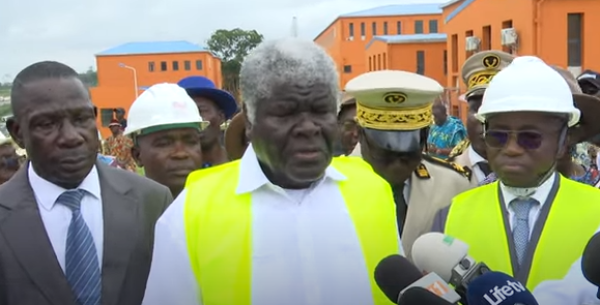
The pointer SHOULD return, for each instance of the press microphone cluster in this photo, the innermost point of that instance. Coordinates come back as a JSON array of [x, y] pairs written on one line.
[[590, 262], [403, 284], [448, 257]]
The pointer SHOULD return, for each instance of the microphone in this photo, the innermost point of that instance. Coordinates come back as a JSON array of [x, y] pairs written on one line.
[[497, 288], [420, 296], [590, 264], [395, 275], [448, 257]]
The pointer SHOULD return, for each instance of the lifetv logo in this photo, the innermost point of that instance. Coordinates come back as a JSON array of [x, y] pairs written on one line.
[[499, 294]]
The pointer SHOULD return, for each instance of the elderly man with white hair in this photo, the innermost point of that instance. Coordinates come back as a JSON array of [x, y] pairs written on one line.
[[288, 223]]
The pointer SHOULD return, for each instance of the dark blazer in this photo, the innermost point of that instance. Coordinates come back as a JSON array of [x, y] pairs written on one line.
[[29, 271]]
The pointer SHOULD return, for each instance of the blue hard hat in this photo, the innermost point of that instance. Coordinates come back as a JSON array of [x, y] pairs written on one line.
[[204, 87]]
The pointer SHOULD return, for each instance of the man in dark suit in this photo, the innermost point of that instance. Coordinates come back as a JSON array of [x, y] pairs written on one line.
[[73, 231]]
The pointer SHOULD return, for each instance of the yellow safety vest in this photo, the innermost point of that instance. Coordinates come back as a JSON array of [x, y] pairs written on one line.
[[219, 230], [475, 217]]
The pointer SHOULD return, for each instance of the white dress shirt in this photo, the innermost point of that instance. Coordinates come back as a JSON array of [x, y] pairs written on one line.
[[541, 194], [475, 159], [57, 217], [572, 289], [305, 247]]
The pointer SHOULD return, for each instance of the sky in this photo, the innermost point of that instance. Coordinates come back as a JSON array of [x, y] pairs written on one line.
[[72, 31]]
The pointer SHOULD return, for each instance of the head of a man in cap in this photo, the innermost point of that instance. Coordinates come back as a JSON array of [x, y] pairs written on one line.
[[115, 127], [394, 114], [527, 110], [477, 72], [589, 81], [290, 91], [347, 123]]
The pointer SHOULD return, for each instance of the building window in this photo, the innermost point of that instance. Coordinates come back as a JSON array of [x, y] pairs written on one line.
[[574, 39], [486, 38], [151, 66], [175, 66], [384, 61], [454, 48], [419, 27], [351, 29], [378, 61], [370, 63], [198, 65], [347, 69], [187, 65], [399, 27], [508, 24], [163, 66], [445, 62], [106, 115], [385, 28], [362, 29], [433, 26], [374, 26], [421, 62]]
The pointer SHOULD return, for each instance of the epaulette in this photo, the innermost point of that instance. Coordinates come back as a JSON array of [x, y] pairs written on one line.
[[459, 149], [465, 172]]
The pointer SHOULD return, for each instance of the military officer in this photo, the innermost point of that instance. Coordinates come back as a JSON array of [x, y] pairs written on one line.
[[394, 112], [477, 71]]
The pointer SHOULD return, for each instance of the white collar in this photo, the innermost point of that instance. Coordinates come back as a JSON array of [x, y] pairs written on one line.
[[47, 192], [252, 176], [541, 194], [474, 157]]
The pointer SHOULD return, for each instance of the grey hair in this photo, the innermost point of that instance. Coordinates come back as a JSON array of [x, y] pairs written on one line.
[[285, 61]]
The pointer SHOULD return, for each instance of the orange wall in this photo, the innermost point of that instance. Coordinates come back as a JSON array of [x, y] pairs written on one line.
[[346, 52], [548, 42], [404, 57], [116, 84]]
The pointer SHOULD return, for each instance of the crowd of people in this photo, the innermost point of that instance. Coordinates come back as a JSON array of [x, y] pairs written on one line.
[[306, 191]]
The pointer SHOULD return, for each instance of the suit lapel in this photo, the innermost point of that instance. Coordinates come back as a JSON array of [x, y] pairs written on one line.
[[25, 234], [120, 230]]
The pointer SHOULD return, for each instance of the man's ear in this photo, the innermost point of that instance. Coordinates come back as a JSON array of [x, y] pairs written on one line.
[[14, 129], [135, 154]]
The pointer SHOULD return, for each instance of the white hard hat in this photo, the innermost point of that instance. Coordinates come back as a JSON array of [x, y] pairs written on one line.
[[163, 105], [528, 84]]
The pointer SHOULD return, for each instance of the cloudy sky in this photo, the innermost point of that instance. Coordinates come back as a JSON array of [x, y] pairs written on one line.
[[72, 31]]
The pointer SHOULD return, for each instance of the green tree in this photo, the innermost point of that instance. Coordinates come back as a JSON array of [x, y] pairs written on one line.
[[89, 77], [232, 46]]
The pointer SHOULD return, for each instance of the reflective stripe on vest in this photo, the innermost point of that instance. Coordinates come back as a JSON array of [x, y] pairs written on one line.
[[219, 238], [475, 217]]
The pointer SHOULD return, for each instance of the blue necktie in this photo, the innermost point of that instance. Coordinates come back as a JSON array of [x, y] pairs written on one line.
[[521, 208], [81, 258]]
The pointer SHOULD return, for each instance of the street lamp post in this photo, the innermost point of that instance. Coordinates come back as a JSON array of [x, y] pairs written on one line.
[[135, 81]]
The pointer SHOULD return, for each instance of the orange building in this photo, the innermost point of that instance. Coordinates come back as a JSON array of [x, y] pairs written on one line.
[[560, 32], [125, 71], [420, 53], [347, 37]]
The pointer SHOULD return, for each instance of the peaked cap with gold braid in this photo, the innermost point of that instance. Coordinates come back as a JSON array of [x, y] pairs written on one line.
[[479, 69]]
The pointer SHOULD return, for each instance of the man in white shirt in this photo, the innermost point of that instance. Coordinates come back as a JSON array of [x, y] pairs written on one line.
[[73, 230], [286, 224]]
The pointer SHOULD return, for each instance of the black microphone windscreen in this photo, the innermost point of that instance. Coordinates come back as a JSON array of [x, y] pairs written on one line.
[[420, 296], [393, 274], [590, 262]]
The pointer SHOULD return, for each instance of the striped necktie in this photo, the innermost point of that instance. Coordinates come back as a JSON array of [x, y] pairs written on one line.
[[521, 229], [81, 258]]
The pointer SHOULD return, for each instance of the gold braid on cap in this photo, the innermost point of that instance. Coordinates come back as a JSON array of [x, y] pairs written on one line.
[[391, 119], [481, 78]]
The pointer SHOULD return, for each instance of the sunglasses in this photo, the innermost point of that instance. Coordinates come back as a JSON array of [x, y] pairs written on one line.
[[527, 139]]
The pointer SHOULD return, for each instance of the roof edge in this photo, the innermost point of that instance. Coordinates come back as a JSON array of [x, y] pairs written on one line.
[[155, 53], [416, 40], [458, 9], [446, 4]]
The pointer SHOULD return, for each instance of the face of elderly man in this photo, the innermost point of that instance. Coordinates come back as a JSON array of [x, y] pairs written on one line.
[[291, 93]]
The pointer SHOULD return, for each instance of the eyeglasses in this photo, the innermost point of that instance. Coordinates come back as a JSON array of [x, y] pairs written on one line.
[[527, 139]]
